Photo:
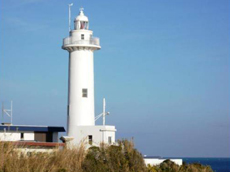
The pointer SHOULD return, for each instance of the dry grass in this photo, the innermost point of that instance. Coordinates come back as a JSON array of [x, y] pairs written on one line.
[[58, 161], [123, 157]]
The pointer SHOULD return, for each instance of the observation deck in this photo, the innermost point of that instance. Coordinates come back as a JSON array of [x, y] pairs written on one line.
[[71, 42]]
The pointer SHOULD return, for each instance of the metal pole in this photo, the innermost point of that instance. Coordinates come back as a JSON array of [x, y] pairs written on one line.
[[103, 111], [11, 112], [70, 16], [2, 112]]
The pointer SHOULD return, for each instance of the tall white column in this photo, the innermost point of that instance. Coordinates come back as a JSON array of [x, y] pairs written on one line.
[[81, 46]]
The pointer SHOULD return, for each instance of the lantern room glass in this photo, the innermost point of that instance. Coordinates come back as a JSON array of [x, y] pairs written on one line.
[[82, 25]]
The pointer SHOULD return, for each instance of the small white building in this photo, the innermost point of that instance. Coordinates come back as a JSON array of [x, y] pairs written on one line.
[[34, 133], [149, 160], [31, 138], [94, 135]]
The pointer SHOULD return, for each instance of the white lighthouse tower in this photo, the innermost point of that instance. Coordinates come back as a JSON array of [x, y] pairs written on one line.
[[81, 46], [81, 113]]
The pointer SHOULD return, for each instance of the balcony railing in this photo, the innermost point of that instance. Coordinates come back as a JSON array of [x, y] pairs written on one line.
[[71, 40]]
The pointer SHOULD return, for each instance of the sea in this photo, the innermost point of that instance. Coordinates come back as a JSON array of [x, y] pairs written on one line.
[[217, 164]]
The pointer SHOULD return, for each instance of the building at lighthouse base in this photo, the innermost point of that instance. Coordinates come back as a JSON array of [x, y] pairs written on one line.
[[92, 135]]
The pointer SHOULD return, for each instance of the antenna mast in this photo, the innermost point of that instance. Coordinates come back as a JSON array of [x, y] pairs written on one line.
[[103, 111], [103, 114], [70, 16], [8, 112]]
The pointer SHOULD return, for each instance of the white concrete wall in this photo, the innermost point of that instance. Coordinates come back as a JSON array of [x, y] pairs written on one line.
[[156, 161], [9, 136], [15, 136], [100, 134], [76, 34], [107, 134], [28, 136], [81, 76]]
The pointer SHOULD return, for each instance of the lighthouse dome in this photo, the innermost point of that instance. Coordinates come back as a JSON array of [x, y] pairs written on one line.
[[81, 21]]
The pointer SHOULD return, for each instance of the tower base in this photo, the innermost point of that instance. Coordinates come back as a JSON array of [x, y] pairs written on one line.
[[93, 135]]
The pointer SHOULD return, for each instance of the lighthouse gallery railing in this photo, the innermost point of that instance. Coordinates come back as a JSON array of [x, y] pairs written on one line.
[[70, 40]]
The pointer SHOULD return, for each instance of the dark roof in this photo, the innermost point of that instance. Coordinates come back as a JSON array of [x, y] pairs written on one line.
[[32, 128]]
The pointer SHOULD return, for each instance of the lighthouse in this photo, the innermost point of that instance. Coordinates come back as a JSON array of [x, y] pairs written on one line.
[[81, 46]]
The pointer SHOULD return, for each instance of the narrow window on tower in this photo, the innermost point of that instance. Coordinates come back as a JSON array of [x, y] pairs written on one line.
[[82, 36], [84, 92], [90, 137]]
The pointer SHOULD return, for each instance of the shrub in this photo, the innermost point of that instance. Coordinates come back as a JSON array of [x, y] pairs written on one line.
[[169, 166], [121, 158]]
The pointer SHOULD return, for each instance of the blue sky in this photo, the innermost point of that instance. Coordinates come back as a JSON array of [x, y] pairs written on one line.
[[163, 69]]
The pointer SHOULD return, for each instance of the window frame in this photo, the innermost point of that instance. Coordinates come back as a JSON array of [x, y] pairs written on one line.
[[110, 139], [84, 92], [82, 37], [90, 139]]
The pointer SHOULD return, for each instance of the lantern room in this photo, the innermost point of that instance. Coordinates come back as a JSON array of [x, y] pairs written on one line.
[[81, 22]]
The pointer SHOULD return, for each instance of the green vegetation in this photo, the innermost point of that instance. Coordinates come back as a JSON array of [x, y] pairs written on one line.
[[121, 158]]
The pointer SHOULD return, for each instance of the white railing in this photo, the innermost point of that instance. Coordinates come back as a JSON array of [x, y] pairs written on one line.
[[70, 40]]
